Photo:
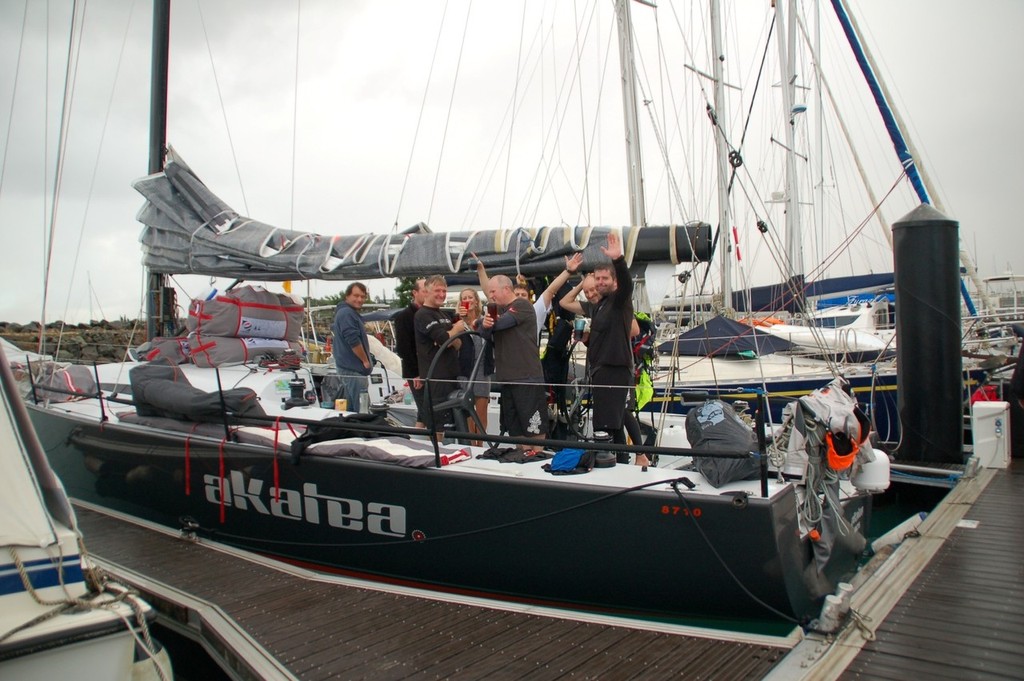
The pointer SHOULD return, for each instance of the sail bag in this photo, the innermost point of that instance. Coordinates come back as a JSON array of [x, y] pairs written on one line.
[[715, 426]]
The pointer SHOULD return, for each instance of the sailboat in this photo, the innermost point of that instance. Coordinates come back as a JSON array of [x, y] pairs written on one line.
[[854, 337], [242, 456], [60, 616]]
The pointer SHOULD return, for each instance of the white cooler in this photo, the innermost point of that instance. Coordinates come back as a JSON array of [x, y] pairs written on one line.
[[990, 428]]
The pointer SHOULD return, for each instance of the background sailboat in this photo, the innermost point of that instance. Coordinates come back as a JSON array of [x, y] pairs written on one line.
[[333, 155]]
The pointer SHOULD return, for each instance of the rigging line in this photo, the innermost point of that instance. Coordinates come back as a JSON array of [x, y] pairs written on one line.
[[595, 132], [552, 135], [673, 185], [663, 85], [419, 118], [750, 109], [690, 55], [490, 165], [14, 97], [448, 117], [541, 181], [295, 113], [585, 199], [46, 156], [70, 78], [819, 270], [213, 532], [771, 235], [746, 126], [223, 109], [96, 164], [512, 125], [725, 566], [658, 134]]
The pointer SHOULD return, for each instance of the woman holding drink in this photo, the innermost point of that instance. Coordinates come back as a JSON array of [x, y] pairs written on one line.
[[470, 311]]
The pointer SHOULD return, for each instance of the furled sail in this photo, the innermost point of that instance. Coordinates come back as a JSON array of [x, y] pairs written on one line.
[[189, 230]]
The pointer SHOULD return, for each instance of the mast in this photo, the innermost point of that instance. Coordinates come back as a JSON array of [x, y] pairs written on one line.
[[159, 297], [722, 154], [794, 264], [905, 150], [627, 68]]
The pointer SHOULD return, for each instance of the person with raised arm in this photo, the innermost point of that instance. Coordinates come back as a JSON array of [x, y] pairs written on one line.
[[609, 352], [541, 306]]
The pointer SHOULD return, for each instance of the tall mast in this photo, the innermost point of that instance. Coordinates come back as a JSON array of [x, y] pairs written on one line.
[[627, 68], [794, 239], [911, 160], [156, 283], [722, 153]]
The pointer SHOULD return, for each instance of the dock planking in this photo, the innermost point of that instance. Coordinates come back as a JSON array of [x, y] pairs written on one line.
[[323, 630], [963, 617]]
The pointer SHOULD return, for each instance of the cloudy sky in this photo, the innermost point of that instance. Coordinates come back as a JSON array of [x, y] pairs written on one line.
[[351, 117]]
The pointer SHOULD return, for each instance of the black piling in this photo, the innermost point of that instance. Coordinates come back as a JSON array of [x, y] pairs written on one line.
[[930, 373]]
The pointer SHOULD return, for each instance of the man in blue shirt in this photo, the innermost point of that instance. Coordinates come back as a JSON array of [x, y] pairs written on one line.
[[351, 348]]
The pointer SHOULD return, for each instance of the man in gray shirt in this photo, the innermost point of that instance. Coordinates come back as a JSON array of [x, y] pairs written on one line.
[[517, 363]]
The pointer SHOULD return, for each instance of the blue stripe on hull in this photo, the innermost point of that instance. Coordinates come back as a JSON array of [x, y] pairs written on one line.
[[41, 574]]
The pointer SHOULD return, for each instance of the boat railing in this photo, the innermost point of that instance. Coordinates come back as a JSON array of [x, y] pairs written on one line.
[[232, 421]]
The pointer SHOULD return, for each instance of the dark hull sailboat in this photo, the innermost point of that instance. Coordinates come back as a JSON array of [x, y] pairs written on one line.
[[617, 540]]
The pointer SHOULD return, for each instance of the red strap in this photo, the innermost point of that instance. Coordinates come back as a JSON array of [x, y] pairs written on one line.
[[277, 472], [220, 463]]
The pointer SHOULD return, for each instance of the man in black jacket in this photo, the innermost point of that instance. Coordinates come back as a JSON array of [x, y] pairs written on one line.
[[405, 348], [610, 353]]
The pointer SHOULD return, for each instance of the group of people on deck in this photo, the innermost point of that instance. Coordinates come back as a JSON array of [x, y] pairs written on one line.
[[513, 326]]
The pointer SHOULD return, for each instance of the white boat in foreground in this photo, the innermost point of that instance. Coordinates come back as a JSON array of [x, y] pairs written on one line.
[[59, 617]]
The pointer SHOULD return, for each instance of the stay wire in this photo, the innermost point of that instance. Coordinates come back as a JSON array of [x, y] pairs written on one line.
[[14, 97], [295, 114], [448, 117], [223, 109], [512, 123], [419, 118], [74, 44], [95, 168], [585, 198]]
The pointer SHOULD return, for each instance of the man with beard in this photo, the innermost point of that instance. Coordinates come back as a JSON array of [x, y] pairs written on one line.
[[609, 352]]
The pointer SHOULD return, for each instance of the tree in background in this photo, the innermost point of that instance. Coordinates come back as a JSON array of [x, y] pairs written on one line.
[[403, 292]]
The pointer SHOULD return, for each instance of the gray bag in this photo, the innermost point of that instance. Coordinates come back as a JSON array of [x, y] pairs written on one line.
[[715, 426], [247, 312]]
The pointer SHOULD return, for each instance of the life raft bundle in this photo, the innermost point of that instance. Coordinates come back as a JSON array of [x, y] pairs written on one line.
[[247, 312], [243, 325]]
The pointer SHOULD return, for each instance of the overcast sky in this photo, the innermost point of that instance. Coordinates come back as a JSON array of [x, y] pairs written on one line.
[[348, 117]]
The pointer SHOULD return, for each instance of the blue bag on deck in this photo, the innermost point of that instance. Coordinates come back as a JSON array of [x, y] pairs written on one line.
[[570, 461]]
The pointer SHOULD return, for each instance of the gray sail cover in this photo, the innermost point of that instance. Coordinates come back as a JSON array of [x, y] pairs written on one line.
[[189, 230]]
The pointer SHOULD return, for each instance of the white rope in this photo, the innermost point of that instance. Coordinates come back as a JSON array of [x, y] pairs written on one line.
[[99, 584]]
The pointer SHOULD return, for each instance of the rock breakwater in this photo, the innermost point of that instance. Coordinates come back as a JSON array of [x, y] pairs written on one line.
[[99, 341]]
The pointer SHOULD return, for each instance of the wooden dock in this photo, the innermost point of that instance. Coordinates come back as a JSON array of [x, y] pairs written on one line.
[[946, 605], [263, 620]]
